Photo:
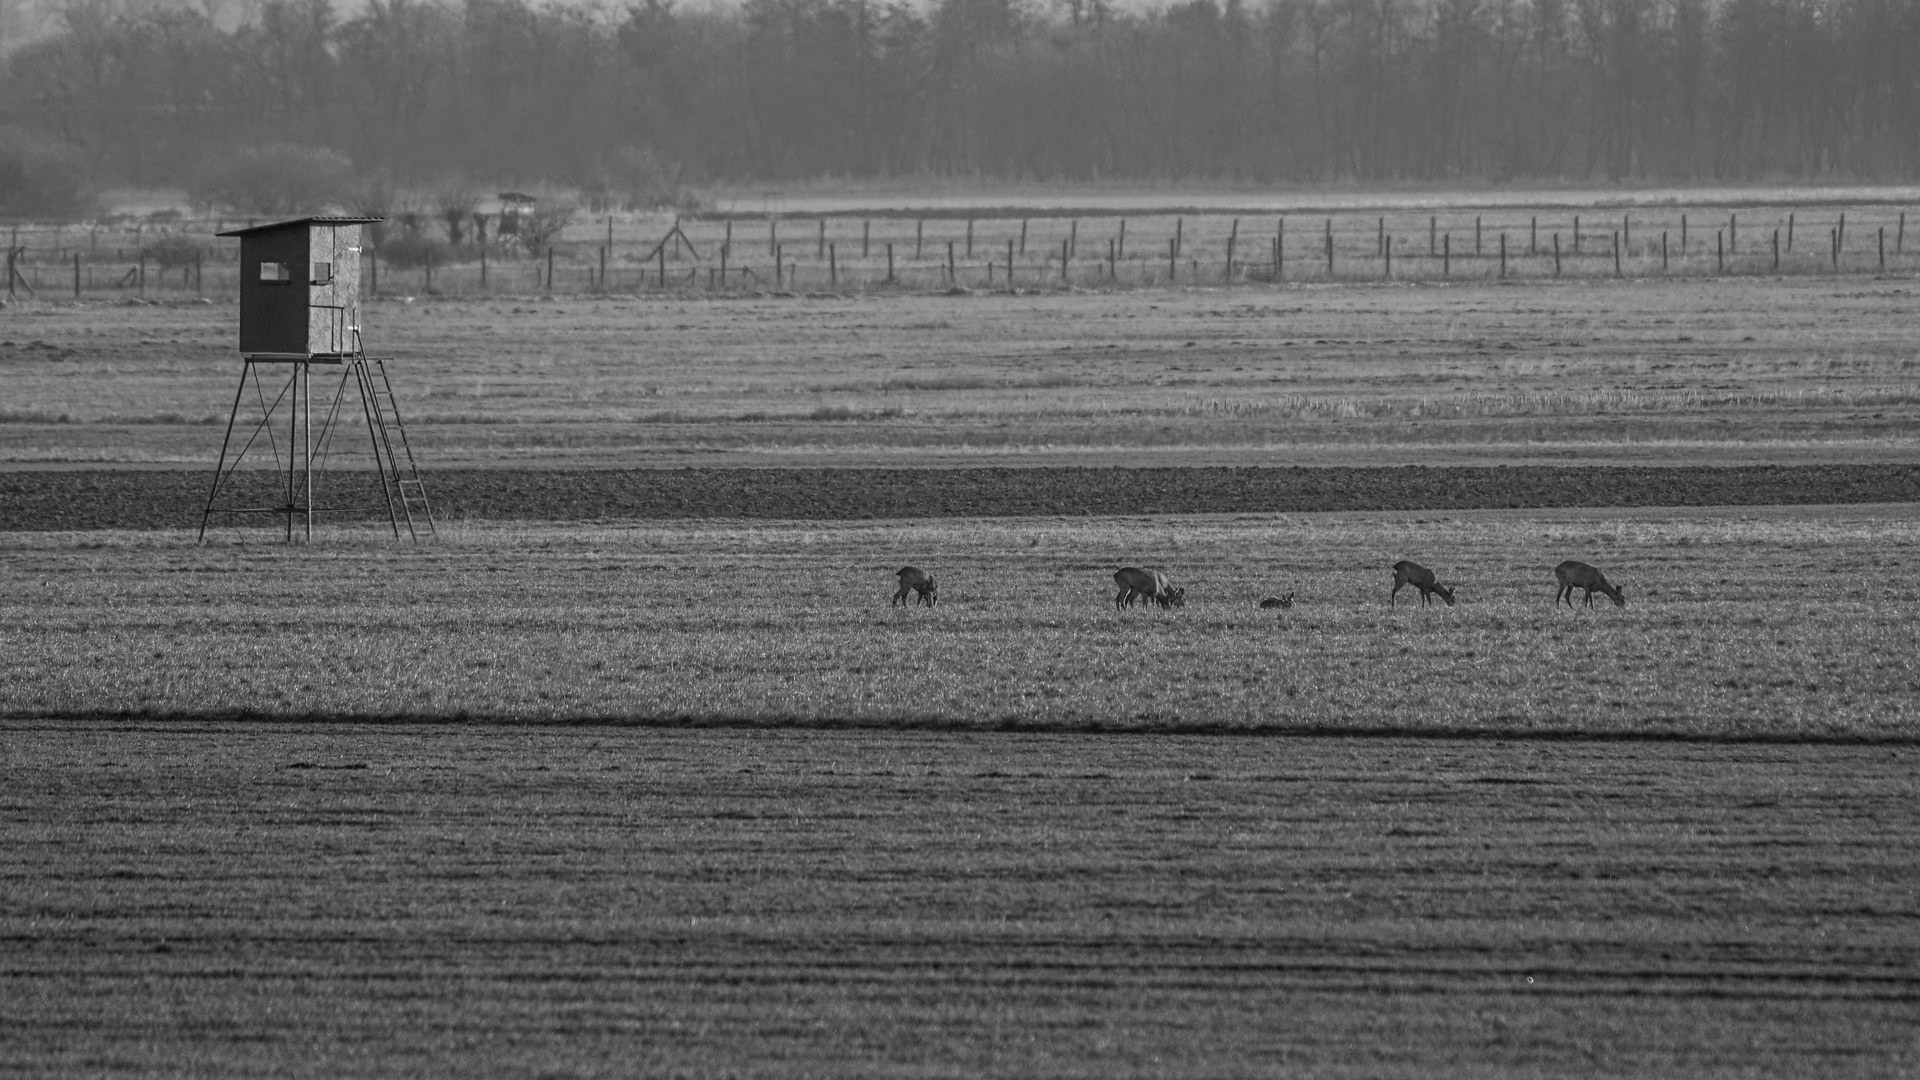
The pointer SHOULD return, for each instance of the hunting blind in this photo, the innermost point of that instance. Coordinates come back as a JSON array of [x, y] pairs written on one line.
[[300, 306]]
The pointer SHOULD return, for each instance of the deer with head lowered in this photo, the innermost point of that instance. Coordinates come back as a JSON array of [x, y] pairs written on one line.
[[1578, 575], [1421, 578], [913, 579], [1146, 584]]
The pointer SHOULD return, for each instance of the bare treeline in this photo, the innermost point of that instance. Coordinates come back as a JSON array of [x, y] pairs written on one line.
[[1371, 90]]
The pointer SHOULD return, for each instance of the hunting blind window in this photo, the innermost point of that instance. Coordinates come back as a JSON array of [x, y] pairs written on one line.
[[323, 273], [273, 273]]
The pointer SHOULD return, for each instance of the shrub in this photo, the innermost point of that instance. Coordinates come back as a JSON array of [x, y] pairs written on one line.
[[413, 249], [275, 180], [541, 225], [40, 178]]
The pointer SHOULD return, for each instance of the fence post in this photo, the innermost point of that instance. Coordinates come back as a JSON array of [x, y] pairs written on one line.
[[779, 265], [1123, 235], [1023, 236], [1113, 262], [1789, 234], [1833, 241], [1883, 247], [1556, 254], [1503, 255], [951, 278], [1533, 236], [1683, 236], [773, 244], [866, 234], [1663, 251], [1386, 248], [889, 264], [1433, 236], [1073, 237], [724, 252], [1476, 236], [1380, 238], [1576, 234], [76, 275], [1446, 256], [969, 238], [1066, 253], [603, 265], [1840, 235], [1733, 234], [1616, 254], [1179, 235], [1233, 238], [1280, 251], [1776, 251], [1009, 264], [919, 235], [1626, 230], [833, 265], [1173, 253], [1720, 252], [661, 251], [1900, 238], [1329, 249]]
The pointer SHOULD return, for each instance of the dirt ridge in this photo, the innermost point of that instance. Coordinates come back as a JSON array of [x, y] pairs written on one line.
[[162, 499]]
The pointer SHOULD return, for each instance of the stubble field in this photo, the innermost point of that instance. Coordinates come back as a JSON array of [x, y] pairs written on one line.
[[1726, 371]]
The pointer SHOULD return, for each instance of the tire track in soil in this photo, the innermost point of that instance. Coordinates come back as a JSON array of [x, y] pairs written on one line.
[[41, 500]]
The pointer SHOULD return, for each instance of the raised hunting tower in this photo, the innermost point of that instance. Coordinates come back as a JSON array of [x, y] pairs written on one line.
[[300, 306]]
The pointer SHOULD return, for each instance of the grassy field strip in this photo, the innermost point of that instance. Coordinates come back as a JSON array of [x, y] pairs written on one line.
[[1789, 623], [327, 900], [1787, 368]]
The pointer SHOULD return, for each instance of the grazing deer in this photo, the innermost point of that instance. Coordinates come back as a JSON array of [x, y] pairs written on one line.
[[1148, 584], [1421, 578], [914, 579], [1578, 575], [1277, 602]]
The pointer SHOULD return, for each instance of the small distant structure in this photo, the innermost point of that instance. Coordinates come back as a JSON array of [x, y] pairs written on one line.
[[513, 205], [300, 307]]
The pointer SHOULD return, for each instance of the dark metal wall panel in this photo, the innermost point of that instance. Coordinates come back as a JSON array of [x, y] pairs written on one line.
[[273, 317]]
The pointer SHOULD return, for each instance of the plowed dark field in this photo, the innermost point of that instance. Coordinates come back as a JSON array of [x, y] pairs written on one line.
[[159, 499], [330, 900]]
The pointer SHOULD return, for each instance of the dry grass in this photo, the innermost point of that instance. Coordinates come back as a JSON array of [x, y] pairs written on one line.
[[1755, 370], [1788, 623]]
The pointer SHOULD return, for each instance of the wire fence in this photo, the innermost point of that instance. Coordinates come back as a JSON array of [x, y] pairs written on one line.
[[846, 254]]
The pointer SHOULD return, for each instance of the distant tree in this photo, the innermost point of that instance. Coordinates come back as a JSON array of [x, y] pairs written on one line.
[[455, 200], [40, 178], [275, 179]]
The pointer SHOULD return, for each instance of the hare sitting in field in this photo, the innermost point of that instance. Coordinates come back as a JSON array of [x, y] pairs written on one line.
[[913, 579], [1277, 602]]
